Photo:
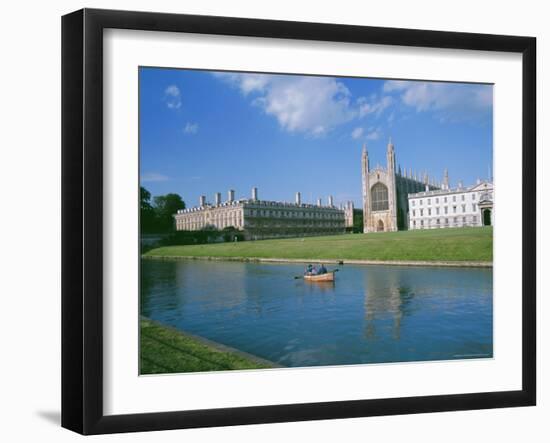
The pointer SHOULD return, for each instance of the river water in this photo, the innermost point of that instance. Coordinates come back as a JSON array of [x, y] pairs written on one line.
[[371, 314]]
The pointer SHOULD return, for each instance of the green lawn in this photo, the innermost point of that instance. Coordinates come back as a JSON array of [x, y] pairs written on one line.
[[453, 244], [164, 350]]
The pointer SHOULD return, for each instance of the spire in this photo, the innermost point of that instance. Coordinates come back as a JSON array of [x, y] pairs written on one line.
[[410, 173], [390, 158], [399, 170], [365, 159]]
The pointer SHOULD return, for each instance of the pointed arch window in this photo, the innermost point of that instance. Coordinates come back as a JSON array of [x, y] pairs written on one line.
[[379, 197]]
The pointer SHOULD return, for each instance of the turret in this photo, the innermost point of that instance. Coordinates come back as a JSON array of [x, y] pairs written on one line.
[[365, 176], [446, 179], [255, 194], [365, 160], [390, 157], [298, 198], [218, 198]]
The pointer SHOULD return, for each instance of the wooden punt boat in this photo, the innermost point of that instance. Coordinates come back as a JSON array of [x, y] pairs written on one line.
[[329, 276]]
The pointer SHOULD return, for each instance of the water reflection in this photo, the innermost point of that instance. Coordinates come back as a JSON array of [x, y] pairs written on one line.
[[384, 297], [370, 314]]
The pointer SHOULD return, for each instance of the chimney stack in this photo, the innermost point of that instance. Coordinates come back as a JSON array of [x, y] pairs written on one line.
[[255, 194], [230, 195], [218, 198], [202, 201], [298, 198]]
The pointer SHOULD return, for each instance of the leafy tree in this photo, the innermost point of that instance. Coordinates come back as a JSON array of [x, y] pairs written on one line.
[[357, 220], [165, 206], [158, 217], [147, 213]]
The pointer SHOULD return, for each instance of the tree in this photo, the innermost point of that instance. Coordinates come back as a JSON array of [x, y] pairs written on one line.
[[357, 220], [165, 206], [147, 213]]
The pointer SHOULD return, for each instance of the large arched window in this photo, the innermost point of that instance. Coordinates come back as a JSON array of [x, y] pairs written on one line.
[[379, 197]]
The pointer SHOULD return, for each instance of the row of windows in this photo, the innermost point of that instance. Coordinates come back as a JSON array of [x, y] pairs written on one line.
[[291, 214], [199, 224], [445, 210], [438, 221], [429, 200]]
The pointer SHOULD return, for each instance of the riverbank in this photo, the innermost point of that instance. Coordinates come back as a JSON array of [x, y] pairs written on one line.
[[438, 247], [165, 350], [461, 264]]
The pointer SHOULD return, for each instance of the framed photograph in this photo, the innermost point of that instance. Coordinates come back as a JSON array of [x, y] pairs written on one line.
[[268, 221]]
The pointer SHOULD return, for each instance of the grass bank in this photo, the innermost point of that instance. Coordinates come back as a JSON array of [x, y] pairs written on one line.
[[450, 245], [165, 350]]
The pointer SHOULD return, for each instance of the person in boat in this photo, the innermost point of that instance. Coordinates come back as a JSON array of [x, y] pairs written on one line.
[[309, 269], [322, 269]]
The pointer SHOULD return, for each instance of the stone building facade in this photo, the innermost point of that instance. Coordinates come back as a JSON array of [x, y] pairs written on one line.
[[348, 214], [450, 208], [385, 193], [353, 217], [259, 219]]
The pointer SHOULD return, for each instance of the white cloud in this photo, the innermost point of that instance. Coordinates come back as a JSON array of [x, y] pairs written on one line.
[[396, 85], [247, 83], [374, 106], [370, 134], [357, 133], [374, 134], [172, 97], [191, 128], [451, 101], [153, 177], [311, 105]]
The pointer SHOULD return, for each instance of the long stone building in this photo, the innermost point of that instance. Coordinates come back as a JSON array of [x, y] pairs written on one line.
[[262, 218], [385, 193]]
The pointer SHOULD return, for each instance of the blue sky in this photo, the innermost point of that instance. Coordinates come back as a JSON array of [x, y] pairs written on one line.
[[203, 132]]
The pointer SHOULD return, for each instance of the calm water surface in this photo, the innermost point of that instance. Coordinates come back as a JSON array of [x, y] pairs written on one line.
[[371, 314]]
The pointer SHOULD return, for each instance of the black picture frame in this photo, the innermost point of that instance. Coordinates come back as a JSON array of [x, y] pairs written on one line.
[[82, 218]]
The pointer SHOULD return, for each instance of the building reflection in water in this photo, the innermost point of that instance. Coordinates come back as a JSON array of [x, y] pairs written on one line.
[[387, 298]]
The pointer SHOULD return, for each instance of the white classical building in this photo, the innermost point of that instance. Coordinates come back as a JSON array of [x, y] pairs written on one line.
[[450, 208]]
